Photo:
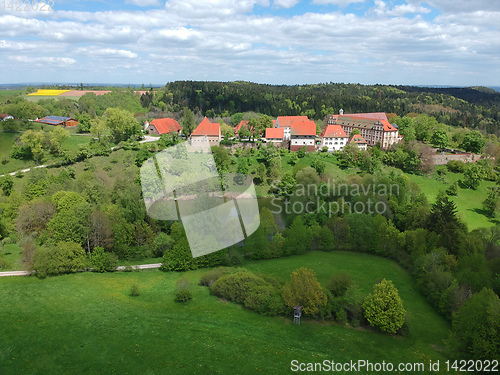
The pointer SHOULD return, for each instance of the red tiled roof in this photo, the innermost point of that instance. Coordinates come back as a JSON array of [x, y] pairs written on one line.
[[358, 139], [207, 128], [303, 127], [286, 121], [165, 125], [3, 115], [334, 131], [374, 116], [238, 127], [274, 122], [275, 133], [387, 126]]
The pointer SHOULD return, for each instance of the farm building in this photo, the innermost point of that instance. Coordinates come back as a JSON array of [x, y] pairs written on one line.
[[303, 133], [275, 135], [164, 126], [206, 131], [58, 121]]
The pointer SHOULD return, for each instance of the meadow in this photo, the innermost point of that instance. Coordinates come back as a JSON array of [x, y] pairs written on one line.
[[9, 164], [88, 323]]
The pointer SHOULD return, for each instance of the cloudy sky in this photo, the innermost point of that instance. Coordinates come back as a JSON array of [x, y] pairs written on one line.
[[435, 42]]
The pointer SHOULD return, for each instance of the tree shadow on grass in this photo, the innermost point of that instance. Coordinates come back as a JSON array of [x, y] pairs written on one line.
[[484, 213]]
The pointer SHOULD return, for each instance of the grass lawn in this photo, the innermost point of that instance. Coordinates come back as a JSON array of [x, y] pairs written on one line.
[[87, 323], [469, 202], [11, 253]]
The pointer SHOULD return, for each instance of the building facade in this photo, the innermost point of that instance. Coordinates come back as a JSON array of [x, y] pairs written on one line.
[[334, 138], [374, 127], [206, 131]]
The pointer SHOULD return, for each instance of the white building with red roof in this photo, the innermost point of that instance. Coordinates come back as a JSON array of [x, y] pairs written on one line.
[[359, 141], [285, 122], [374, 127], [275, 136], [206, 131], [164, 126], [333, 137], [302, 133]]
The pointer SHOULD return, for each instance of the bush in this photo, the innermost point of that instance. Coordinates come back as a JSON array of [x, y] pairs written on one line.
[[456, 166], [339, 284], [209, 277], [134, 290], [258, 293], [183, 295], [65, 257]]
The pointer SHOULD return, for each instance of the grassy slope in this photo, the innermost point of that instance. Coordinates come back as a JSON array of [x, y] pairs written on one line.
[[468, 201], [87, 323]]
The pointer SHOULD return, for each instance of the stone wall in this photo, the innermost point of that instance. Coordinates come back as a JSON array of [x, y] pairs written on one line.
[[441, 159]]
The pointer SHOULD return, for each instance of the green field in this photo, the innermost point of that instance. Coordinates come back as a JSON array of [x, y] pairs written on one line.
[[88, 324], [4, 93], [468, 201]]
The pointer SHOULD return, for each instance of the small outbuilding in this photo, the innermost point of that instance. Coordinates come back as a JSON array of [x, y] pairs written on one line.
[[58, 121]]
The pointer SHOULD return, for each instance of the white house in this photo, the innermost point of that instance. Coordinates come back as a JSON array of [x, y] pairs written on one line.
[[334, 138]]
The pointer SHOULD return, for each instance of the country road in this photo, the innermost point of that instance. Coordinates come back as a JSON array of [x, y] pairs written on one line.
[[120, 268]]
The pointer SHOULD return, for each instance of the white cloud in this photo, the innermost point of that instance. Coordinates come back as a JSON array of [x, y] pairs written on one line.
[[459, 6], [144, 3], [40, 61], [340, 3], [107, 52], [286, 4]]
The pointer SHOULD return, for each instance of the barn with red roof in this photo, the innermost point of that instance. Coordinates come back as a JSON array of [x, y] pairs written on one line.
[[164, 126], [206, 131]]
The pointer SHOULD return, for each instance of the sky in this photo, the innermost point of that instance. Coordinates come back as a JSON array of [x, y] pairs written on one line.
[[432, 42]]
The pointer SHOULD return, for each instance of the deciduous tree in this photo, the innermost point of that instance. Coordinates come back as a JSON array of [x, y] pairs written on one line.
[[304, 290], [383, 308]]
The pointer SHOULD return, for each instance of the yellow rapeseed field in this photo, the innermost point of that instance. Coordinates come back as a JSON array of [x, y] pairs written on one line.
[[48, 92]]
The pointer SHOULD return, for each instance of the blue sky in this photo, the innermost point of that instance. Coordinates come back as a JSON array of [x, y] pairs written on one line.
[[433, 42]]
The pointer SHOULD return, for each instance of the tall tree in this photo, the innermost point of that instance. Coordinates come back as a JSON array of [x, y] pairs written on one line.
[[187, 122], [304, 290], [34, 140], [57, 136], [475, 332], [473, 142], [121, 123], [383, 308]]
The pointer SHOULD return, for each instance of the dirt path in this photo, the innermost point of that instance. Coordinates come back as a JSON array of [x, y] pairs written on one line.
[[120, 268]]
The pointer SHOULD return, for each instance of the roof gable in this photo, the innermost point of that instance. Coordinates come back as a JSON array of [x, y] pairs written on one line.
[[207, 128], [334, 131], [358, 139]]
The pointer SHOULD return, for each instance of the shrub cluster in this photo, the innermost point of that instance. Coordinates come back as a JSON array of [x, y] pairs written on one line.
[[258, 293]]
